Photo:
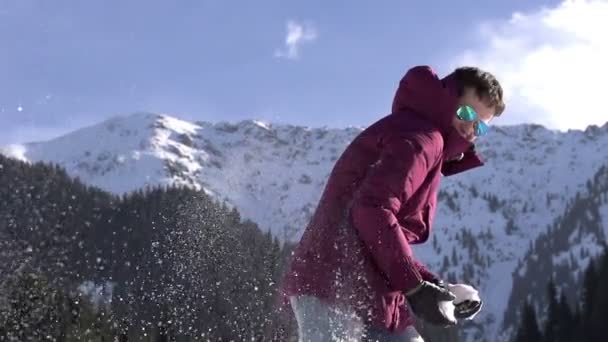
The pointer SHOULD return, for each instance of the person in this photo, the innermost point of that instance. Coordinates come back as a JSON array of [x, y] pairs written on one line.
[[353, 275]]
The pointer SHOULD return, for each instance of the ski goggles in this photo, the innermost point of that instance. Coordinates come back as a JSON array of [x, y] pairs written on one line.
[[467, 113]]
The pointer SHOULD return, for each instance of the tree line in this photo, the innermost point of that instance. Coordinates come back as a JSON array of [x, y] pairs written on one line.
[[584, 321], [163, 264]]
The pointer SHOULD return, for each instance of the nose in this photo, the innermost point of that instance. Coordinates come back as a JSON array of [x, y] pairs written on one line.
[[471, 134], [471, 131]]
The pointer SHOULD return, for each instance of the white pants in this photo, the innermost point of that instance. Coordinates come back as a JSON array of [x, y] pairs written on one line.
[[319, 322]]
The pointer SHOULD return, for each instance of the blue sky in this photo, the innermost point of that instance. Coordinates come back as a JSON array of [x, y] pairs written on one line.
[[67, 64]]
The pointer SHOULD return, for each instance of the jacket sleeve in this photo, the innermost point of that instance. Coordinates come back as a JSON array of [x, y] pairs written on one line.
[[424, 272], [402, 167], [470, 159]]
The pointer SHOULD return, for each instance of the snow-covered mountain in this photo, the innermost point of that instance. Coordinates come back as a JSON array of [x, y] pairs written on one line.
[[563, 251], [274, 174]]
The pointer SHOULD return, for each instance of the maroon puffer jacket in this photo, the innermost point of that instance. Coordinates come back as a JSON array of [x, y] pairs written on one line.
[[381, 197]]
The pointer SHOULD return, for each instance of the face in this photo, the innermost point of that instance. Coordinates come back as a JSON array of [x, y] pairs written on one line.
[[485, 113]]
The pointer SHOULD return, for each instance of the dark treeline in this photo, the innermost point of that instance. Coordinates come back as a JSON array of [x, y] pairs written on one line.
[[161, 264], [586, 321]]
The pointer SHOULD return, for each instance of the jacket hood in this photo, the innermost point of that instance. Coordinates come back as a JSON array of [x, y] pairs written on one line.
[[423, 94]]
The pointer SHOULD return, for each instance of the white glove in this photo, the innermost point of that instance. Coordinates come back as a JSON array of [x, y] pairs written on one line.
[[467, 303]]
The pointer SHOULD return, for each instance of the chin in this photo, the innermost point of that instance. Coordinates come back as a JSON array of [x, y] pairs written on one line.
[[466, 136]]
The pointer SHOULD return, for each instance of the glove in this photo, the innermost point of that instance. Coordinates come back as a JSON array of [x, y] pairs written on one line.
[[440, 283], [430, 302], [467, 309]]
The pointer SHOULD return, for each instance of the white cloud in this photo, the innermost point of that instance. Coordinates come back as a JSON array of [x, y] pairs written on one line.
[[553, 64], [297, 34]]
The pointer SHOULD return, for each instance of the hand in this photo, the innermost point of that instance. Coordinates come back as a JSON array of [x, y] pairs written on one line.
[[428, 303]]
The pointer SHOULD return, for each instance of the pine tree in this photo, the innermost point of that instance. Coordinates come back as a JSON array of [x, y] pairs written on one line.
[[599, 312], [528, 330], [589, 287], [551, 330], [510, 228], [454, 257], [567, 321], [446, 263]]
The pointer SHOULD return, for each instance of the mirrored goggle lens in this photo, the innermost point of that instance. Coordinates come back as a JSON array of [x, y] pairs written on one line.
[[481, 128], [466, 113]]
